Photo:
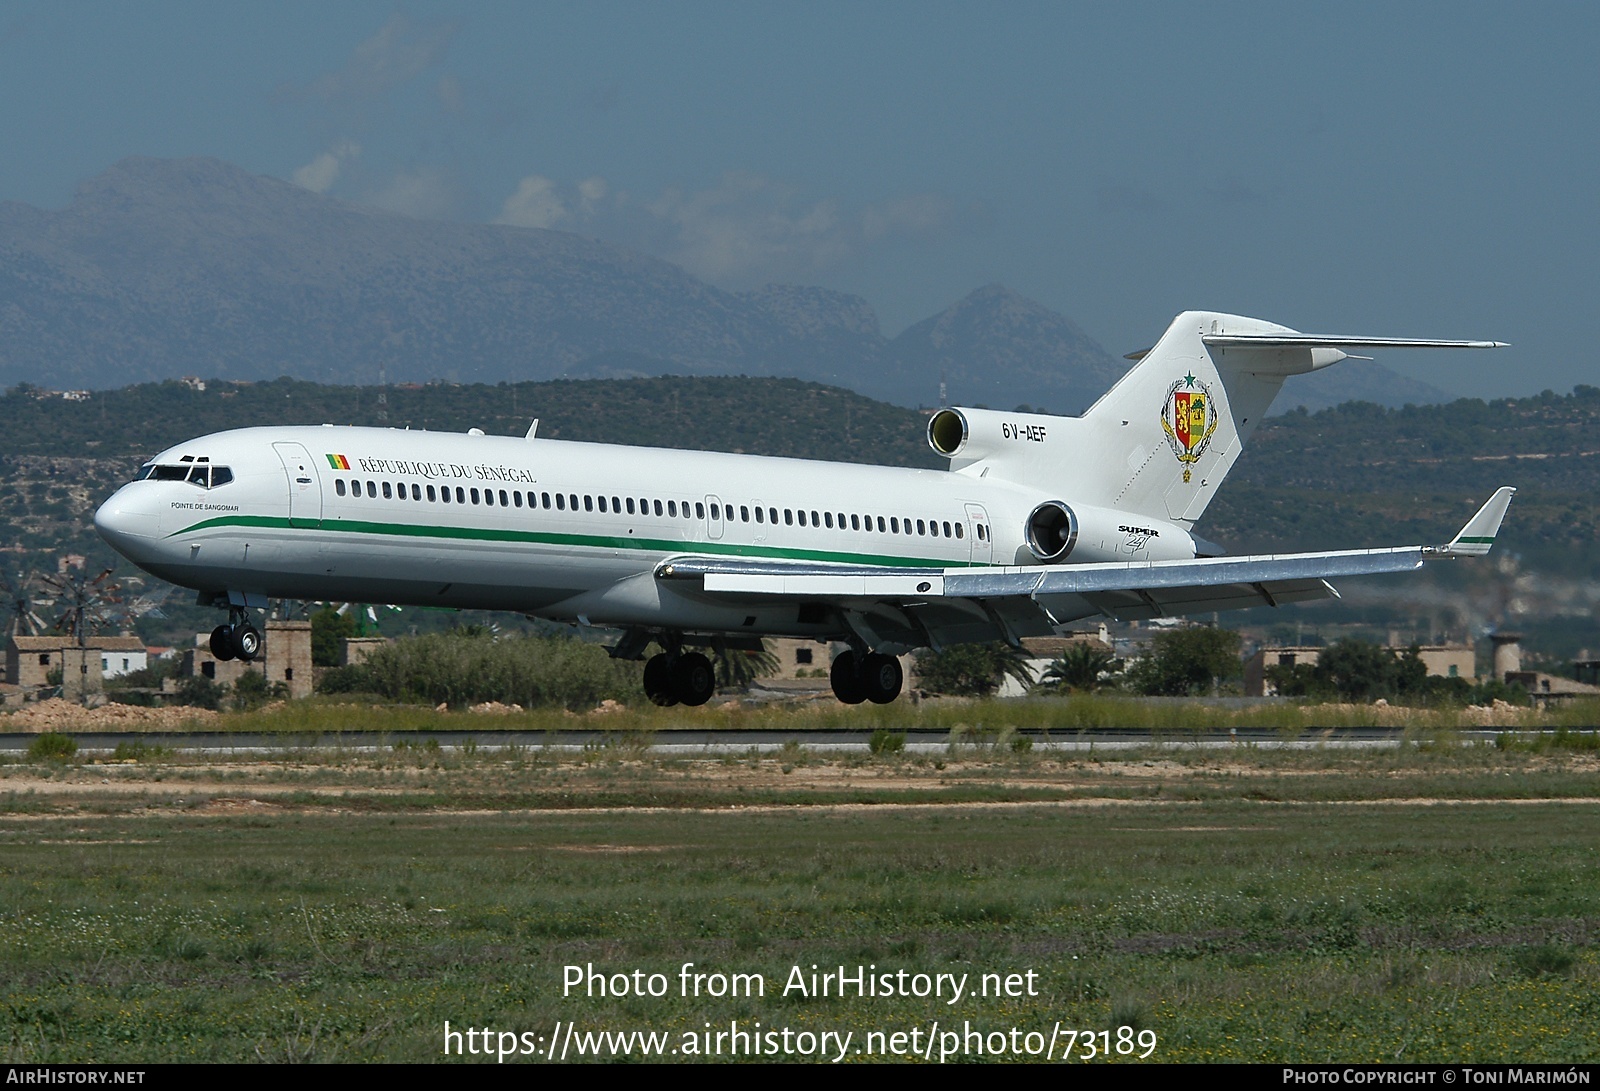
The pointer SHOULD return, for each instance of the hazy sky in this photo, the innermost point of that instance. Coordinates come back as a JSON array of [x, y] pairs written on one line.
[[1409, 169]]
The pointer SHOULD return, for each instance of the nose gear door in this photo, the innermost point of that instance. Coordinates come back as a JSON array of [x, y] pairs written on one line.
[[305, 490]]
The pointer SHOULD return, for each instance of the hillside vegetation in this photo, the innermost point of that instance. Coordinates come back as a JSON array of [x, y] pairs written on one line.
[[1351, 476]]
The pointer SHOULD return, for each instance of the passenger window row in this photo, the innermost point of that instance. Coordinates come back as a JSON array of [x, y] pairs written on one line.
[[671, 509]]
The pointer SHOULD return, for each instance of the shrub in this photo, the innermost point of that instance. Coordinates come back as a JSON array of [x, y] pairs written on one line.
[[463, 668], [136, 751], [52, 746], [884, 741], [198, 691], [252, 690]]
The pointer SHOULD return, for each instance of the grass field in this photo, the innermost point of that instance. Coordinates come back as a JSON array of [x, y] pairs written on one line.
[[1430, 902]]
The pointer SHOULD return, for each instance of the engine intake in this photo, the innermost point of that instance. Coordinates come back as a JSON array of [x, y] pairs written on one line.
[[1052, 531], [947, 432]]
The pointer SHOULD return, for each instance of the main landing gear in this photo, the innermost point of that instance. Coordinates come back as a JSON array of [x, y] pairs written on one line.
[[236, 640], [873, 677], [686, 678]]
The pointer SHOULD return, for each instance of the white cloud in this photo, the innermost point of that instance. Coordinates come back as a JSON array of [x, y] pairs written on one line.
[[398, 52], [427, 194], [535, 204], [592, 191], [321, 173], [746, 228]]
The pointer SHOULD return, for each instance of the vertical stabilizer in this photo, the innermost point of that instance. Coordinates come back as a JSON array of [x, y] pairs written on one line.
[[1174, 425], [1160, 441]]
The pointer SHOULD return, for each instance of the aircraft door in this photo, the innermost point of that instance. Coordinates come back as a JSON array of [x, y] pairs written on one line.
[[305, 490], [713, 518], [981, 542]]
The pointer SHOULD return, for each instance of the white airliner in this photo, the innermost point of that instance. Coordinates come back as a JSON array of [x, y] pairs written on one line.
[[1040, 521]]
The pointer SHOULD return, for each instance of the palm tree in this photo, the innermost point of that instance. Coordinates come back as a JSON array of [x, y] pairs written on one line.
[[736, 669], [1078, 669]]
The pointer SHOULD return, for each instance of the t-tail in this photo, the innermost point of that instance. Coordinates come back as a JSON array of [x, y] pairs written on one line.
[[1160, 442]]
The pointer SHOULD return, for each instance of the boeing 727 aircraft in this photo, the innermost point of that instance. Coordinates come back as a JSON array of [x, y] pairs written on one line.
[[1040, 521]]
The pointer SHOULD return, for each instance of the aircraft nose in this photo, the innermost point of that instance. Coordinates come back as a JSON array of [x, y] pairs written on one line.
[[125, 525]]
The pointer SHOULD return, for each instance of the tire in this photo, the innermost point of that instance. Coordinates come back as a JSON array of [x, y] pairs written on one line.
[[246, 643], [658, 681], [693, 679], [847, 682], [881, 678], [222, 643]]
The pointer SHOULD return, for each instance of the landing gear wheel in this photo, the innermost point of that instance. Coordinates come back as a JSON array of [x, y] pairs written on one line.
[[846, 679], [658, 681], [693, 679], [881, 677], [222, 643], [246, 642]]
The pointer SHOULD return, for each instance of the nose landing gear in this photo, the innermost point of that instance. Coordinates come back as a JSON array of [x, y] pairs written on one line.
[[873, 677], [683, 679], [236, 640]]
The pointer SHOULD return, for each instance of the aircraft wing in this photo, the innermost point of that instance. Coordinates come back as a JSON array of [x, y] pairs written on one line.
[[1012, 601]]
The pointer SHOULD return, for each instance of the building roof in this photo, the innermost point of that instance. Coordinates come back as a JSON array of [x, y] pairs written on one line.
[[57, 641]]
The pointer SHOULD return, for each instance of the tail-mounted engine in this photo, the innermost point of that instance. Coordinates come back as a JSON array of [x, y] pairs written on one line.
[[1056, 531]]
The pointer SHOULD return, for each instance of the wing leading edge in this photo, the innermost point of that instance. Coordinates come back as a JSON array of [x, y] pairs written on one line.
[[1067, 592]]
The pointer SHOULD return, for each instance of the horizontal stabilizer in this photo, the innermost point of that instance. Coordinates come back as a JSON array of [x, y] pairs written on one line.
[[1301, 340], [1478, 535]]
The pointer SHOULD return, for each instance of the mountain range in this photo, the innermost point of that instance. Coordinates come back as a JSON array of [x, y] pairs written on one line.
[[162, 268]]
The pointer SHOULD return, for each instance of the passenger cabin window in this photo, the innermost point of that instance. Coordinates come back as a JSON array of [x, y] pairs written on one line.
[[338, 486]]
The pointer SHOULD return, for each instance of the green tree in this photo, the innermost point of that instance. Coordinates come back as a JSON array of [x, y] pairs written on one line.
[[1187, 663], [252, 690], [1078, 669], [972, 670], [736, 669], [328, 627]]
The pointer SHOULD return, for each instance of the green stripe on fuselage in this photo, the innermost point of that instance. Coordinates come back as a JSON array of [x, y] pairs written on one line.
[[591, 541]]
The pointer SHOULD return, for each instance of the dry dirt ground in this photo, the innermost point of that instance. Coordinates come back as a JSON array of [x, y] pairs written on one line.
[[204, 785]]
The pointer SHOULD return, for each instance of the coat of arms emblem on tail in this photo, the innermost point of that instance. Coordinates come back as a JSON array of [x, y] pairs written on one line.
[[1188, 417]]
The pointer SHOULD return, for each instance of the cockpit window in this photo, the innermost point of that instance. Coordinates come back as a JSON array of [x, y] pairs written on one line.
[[195, 472]]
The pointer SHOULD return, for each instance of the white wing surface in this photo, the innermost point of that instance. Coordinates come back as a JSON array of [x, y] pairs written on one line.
[[953, 604]]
